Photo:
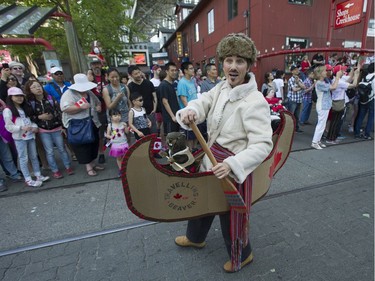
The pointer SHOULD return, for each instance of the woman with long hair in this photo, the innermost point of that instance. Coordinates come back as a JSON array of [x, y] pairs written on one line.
[[47, 115]]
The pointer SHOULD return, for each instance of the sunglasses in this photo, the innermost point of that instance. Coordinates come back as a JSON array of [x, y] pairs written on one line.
[[12, 79], [140, 100], [58, 73], [17, 68]]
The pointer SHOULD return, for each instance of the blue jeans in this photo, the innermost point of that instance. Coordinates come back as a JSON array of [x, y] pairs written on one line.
[[306, 110], [363, 110], [295, 108], [7, 159], [50, 139], [27, 149]]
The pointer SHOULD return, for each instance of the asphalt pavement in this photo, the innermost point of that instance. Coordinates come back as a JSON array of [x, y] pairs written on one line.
[[316, 223]]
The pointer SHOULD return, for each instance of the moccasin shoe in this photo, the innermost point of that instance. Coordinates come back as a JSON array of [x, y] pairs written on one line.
[[183, 241], [228, 265]]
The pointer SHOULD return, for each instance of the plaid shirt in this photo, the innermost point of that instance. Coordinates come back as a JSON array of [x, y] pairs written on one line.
[[294, 96], [307, 94]]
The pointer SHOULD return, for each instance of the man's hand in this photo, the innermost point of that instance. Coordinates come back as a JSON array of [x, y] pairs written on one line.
[[188, 116], [221, 170]]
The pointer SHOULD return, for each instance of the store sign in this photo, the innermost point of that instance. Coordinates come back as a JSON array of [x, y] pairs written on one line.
[[180, 51], [348, 13]]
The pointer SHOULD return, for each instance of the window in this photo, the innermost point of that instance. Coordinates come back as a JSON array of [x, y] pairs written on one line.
[[300, 2], [232, 9], [196, 32], [294, 43], [211, 23]]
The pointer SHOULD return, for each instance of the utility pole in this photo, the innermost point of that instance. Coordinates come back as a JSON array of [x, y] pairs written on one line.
[[77, 60]]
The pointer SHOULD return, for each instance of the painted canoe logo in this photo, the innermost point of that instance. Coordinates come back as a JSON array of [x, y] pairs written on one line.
[[181, 196]]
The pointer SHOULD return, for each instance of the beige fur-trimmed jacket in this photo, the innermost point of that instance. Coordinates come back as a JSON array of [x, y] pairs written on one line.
[[243, 115]]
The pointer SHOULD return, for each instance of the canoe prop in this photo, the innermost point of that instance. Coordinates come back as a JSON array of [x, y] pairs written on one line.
[[157, 193]]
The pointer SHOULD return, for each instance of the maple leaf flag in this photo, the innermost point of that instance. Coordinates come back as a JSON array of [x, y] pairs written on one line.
[[81, 102]]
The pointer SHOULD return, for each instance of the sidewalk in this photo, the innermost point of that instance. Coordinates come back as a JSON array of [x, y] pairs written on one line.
[[302, 141]]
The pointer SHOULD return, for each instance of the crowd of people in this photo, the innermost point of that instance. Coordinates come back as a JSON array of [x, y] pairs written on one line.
[[125, 107], [333, 87]]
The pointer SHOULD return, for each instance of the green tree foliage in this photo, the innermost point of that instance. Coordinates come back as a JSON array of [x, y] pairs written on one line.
[[104, 21]]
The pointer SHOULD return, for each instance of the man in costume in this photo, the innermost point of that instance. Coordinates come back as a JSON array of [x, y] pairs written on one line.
[[240, 137]]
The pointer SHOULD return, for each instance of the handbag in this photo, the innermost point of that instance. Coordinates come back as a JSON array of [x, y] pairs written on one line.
[[81, 131], [338, 105]]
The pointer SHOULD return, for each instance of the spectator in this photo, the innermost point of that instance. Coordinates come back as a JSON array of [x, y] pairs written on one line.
[[17, 69], [307, 98], [58, 85], [7, 80], [268, 83], [317, 60], [279, 84], [295, 91], [186, 92], [156, 79], [47, 115], [85, 153], [211, 80], [17, 121], [148, 92], [138, 120], [323, 104], [367, 108], [169, 99], [338, 102]]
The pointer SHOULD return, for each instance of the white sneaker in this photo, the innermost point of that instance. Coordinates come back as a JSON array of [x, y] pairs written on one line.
[[42, 178], [315, 145], [322, 144], [33, 183]]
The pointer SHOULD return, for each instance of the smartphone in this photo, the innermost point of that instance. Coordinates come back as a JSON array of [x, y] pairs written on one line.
[[5, 65]]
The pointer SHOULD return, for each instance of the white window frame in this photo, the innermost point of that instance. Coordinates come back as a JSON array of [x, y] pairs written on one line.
[[211, 21], [196, 32]]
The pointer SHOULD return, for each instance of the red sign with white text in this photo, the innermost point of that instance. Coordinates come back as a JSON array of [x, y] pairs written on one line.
[[348, 13]]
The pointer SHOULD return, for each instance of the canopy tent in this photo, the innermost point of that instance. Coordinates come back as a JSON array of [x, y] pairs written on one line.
[[19, 20]]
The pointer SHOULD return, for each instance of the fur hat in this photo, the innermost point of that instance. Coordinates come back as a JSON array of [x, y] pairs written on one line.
[[237, 44]]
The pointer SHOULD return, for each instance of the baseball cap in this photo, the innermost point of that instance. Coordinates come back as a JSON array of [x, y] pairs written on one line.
[[55, 69], [337, 68], [15, 91], [329, 67]]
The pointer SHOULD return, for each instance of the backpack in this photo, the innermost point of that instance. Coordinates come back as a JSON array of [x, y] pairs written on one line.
[[365, 91], [314, 96]]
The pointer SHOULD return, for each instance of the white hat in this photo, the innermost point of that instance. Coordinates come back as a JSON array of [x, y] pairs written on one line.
[[55, 69], [16, 63], [82, 83], [14, 91]]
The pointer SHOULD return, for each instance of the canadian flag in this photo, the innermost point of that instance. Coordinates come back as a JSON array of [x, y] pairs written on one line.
[[81, 102]]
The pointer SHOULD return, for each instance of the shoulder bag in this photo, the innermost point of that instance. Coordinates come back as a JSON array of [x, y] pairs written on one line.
[[81, 131]]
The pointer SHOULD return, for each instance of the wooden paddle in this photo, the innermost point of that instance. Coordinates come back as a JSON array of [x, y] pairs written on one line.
[[231, 193]]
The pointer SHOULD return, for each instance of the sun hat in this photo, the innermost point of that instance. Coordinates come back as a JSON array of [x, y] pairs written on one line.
[[16, 63], [55, 69], [237, 44], [15, 91], [82, 83]]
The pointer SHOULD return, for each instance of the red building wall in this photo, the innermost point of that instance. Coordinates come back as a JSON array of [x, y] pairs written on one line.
[[270, 22]]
